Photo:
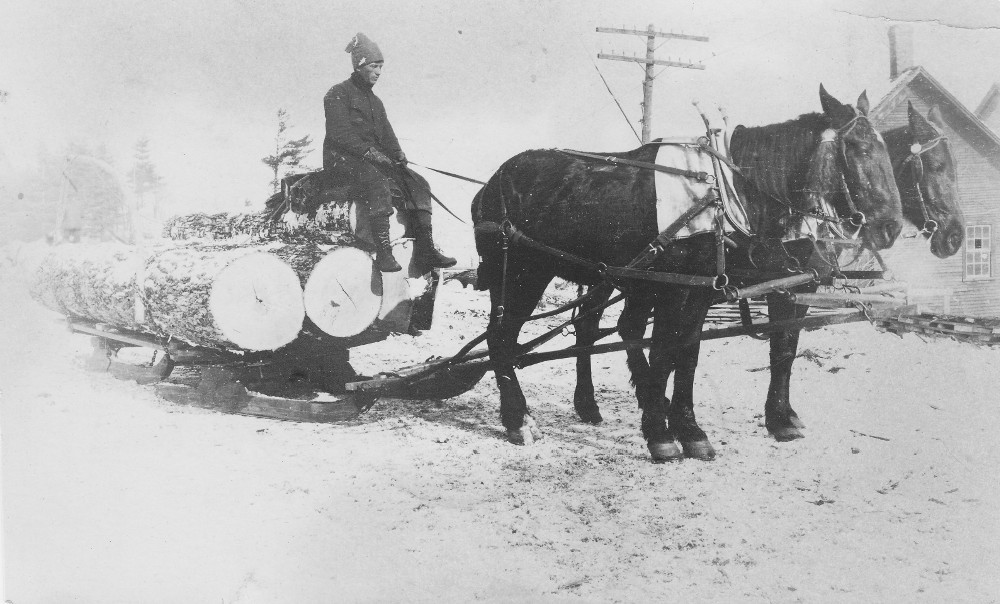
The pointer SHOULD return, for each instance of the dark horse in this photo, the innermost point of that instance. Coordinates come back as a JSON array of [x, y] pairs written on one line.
[[605, 213], [925, 174], [927, 177]]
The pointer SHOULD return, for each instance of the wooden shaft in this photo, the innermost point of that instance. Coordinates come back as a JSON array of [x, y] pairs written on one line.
[[841, 300], [769, 286]]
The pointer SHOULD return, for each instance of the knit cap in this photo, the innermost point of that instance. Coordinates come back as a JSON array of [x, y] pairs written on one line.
[[363, 51]]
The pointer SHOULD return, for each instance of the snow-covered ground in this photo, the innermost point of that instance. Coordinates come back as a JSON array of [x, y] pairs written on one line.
[[111, 494]]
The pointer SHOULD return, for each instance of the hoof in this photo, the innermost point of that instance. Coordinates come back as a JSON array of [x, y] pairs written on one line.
[[590, 416], [701, 449], [785, 433], [796, 422], [527, 434], [664, 451]]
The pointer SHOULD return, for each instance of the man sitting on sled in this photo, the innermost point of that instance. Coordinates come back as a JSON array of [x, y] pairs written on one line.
[[360, 147]]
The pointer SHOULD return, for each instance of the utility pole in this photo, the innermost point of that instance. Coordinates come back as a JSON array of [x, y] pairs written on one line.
[[647, 83]]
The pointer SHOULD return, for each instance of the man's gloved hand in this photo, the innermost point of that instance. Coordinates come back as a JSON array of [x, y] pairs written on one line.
[[376, 156], [401, 158]]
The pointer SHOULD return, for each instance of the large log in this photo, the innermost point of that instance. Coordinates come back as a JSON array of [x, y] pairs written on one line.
[[97, 282], [223, 296], [241, 297], [334, 223], [331, 225], [344, 293]]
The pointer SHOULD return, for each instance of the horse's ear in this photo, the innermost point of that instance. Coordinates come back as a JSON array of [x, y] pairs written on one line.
[[934, 115], [863, 102], [831, 106]]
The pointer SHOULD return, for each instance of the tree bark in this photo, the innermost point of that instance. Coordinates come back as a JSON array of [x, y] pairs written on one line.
[[221, 296], [330, 226]]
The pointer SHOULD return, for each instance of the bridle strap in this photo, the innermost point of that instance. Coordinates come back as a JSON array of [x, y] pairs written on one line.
[[915, 159], [856, 218]]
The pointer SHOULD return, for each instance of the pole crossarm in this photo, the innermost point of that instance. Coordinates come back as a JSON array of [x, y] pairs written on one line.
[[647, 33], [650, 61]]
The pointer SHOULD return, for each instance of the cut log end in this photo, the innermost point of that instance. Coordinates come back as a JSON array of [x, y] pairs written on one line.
[[344, 293], [256, 302]]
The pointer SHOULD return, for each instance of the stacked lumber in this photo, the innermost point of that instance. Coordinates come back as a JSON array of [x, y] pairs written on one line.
[[976, 330]]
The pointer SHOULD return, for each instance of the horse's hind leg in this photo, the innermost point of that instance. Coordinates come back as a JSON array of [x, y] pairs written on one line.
[[779, 417], [586, 334], [524, 290]]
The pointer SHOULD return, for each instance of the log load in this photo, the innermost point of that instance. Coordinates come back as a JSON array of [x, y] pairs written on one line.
[[242, 297]]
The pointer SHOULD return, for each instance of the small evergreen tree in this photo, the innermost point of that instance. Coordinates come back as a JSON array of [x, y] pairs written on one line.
[[144, 176], [288, 153]]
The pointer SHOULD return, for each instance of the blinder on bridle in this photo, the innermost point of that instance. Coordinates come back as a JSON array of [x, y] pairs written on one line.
[[915, 159]]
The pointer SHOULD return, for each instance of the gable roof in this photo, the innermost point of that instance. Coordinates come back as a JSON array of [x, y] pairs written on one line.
[[915, 81], [989, 103]]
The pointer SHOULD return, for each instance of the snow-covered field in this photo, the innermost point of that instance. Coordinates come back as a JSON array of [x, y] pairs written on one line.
[[113, 495]]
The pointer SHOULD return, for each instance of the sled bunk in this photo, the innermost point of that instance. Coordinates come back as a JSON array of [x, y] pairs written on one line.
[[303, 381]]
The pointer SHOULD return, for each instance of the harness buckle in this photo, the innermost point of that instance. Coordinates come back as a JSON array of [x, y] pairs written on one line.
[[858, 219]]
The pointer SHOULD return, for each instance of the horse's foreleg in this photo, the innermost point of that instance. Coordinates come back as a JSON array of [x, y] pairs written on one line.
[[683, 425], [632, 328], [651, 387], [779, 417], [586, 334], [522, 295]]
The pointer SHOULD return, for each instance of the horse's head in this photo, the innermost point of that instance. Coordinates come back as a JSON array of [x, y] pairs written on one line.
[[870, 195], [928, 183]]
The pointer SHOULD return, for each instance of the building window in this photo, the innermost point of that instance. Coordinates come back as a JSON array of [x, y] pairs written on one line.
[[978, 244]]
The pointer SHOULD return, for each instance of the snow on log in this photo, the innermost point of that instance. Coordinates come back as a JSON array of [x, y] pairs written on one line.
[[343, 294], [223, 296], [331, 225], [97, 282]]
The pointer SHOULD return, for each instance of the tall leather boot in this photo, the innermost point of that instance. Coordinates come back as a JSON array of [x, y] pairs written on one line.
[[384, 259], [426, 255]]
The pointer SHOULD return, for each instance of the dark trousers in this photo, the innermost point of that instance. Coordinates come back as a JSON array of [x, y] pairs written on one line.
[[382, 187]]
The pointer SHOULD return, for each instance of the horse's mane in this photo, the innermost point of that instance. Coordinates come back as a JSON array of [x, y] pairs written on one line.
[[784, 160]]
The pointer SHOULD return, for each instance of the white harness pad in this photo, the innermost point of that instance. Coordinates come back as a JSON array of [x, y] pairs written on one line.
[[676, 194]]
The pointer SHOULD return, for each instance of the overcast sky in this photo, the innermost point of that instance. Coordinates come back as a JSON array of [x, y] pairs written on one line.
[[467, 84]]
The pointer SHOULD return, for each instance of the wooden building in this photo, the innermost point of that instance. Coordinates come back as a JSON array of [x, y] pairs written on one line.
[[968, 283]]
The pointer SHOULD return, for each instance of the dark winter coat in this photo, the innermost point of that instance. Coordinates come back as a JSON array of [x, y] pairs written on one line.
[[356, 121]]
